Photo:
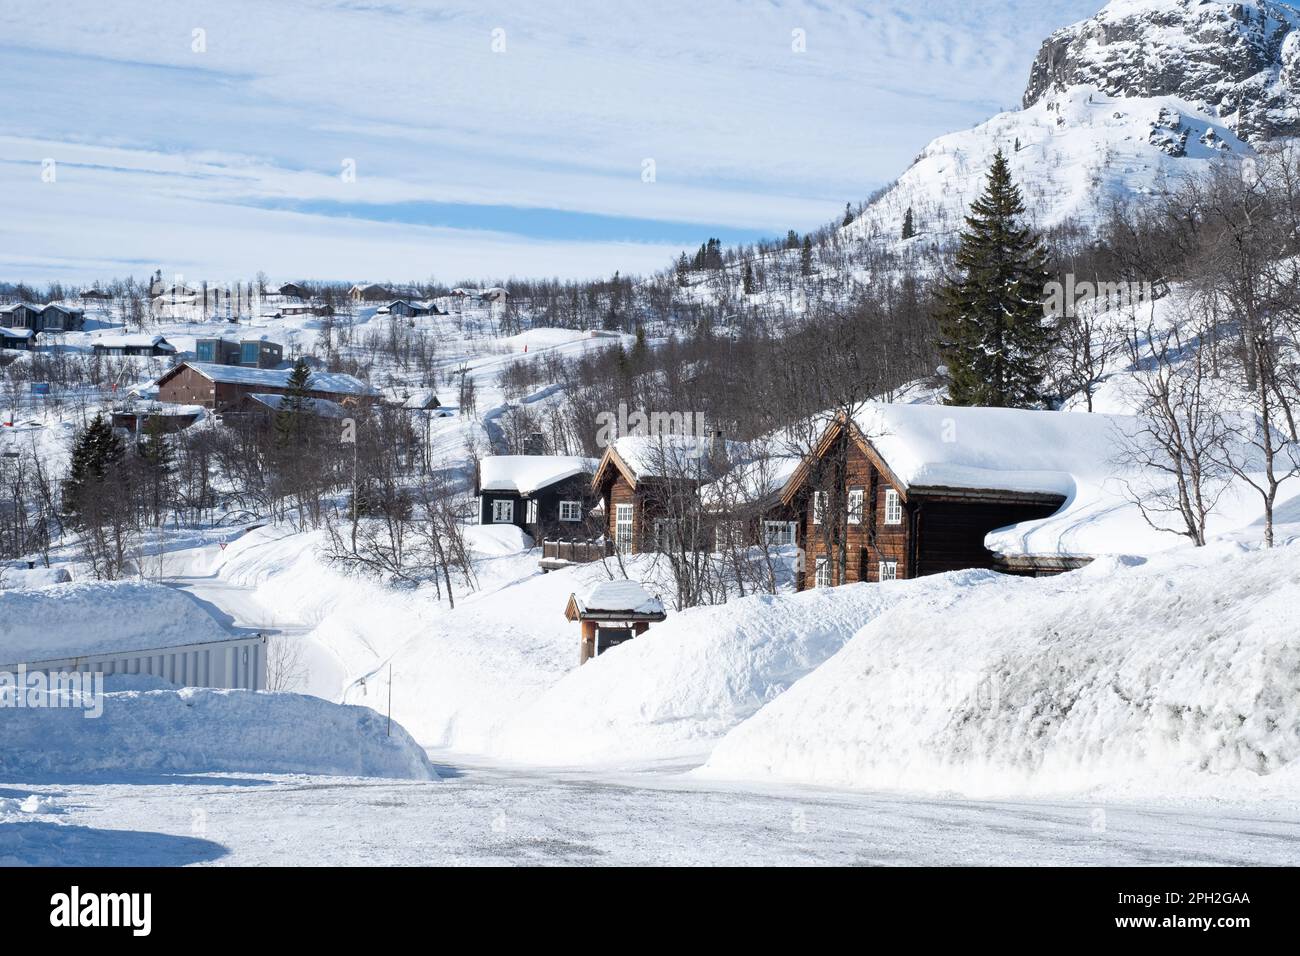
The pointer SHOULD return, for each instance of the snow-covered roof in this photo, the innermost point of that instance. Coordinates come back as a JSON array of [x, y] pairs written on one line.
[[133, 340], [751, 482], [526, 474], [17, 333], [999, 449], [317, 406], [338, 383], [618, 597], [672, 456]]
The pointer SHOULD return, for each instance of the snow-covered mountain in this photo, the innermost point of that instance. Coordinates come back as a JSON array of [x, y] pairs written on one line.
[[1144, 92], [1239, 60]]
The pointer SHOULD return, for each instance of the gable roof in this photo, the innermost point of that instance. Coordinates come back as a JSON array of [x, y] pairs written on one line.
[[670, 457], [620, 600], [1006, 451], [132, 340], [323, 407], [527, 474], [338, 383]]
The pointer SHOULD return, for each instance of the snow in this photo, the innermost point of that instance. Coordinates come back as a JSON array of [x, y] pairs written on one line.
[[497, 540], [626, 597], [1005, 449], [94, 617], [1174, 676], [147, 729], [528, 474], [672, 693], [316, 406], [668, 456], [131, 341]]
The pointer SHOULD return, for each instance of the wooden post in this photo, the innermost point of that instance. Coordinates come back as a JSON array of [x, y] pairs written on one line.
[[588, 642]]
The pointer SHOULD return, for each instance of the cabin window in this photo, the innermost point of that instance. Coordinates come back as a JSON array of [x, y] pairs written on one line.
[[855, 506], [532, 511], [822, 579], [889, 570], [778, 533], [570, 510], [623, 527], [503, 511], [819, 506], [893, 507]]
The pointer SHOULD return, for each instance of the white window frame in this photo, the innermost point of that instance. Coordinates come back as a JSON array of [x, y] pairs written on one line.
[[822, 573], [893, 507], [532, 511], [818, 506], [856, 497], [508, 510], [887, 571], [570, 510], [778, 534], [623, 517]]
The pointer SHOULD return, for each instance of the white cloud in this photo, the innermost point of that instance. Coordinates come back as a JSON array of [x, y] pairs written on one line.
[[744, 132]]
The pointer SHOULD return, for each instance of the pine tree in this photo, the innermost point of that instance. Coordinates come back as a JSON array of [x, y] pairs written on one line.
[[747, 279], [848, 214], [792, 240], [993, 335], [156, 462], [909, 225], [96, 453], [294, 404], [805, 257]]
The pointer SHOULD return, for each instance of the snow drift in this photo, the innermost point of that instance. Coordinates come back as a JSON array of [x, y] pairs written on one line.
[[67, 620], [1180, 673], [191, 730], [674, 692]]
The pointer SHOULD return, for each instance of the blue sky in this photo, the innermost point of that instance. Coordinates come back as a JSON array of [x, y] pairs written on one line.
[[462, 140]]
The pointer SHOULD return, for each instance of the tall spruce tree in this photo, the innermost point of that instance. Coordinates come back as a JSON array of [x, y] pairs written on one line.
[[96, 454], [909, 224], [993, 335], [296, 402], [806, 258]]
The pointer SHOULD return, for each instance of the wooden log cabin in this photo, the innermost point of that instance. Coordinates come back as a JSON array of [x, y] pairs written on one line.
[[222, 387], [900, 491], [648, 485]]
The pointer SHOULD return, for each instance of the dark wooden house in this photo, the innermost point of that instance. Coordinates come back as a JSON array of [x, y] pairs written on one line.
[[133, 345], [42, 318], [902, 491], [548, 496]]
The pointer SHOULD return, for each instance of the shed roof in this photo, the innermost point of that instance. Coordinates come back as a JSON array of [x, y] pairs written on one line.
[[338, 383], [622, 600]]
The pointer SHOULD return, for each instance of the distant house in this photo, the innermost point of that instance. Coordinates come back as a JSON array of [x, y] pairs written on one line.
[[542, 494], [292, 289], [223, 387], [97, 294], [369, 293], [154, 415], [494, 294], [259, 409], [900, 491], [140, 344], [406, 308], [16, 339], [258, 352], [42, 318]]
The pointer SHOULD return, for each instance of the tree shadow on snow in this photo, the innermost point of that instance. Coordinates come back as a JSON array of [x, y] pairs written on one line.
[[38, 843]]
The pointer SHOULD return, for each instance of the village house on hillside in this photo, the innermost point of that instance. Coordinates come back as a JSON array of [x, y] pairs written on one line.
[[132, 344], [249, 351], [369, 292], [42, 318], [222, 387], [542, 494], [900, 491]]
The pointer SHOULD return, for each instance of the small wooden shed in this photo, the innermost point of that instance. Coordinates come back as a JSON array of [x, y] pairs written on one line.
[[612, 612]]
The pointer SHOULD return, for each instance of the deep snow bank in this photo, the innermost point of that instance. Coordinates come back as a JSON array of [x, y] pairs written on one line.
[[674, 692], [66, 620], [193, 730], [1178, 674]]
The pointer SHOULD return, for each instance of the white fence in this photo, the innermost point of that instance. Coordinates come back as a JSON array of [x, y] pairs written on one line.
[[237, 663]]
